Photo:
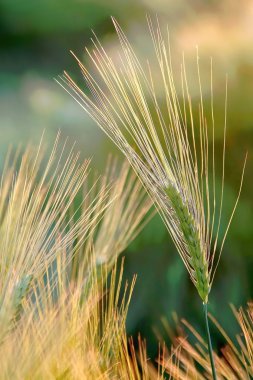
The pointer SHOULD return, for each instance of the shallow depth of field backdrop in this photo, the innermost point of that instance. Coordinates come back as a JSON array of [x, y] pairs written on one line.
[[36, 37]]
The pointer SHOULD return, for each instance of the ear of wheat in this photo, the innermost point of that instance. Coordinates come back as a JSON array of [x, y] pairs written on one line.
[[171, 154], [165, 145]]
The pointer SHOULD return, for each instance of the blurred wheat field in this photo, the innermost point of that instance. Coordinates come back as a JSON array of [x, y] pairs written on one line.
[[63, 303], [57, 318]]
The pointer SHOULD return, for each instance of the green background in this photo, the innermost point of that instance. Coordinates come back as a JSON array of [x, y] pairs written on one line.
[[36, 37]]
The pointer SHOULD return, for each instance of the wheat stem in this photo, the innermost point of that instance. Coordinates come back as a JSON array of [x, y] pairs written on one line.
[[210, 350]]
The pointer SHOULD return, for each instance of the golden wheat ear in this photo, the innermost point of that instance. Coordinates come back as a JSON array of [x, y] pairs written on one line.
[[165, 144], [167, 147]]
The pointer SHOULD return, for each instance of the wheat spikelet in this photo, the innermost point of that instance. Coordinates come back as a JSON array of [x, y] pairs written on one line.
[[164, 143]]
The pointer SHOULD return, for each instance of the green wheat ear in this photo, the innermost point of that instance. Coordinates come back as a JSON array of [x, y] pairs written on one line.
[[194, 247], [169, 149], [20, 291]]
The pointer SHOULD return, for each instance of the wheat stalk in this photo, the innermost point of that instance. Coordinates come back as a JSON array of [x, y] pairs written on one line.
[[166, 146], [234, 362], [171, 154]]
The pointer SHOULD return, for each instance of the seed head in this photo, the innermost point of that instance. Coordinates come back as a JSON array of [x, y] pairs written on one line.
[[140, 110]]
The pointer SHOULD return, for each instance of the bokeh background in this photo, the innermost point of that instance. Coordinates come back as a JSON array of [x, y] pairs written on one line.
[[36, 37]]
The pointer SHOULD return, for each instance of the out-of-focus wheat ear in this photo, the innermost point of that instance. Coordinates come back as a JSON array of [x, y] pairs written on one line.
[[48, 322], [20, 292], [36, 221]]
